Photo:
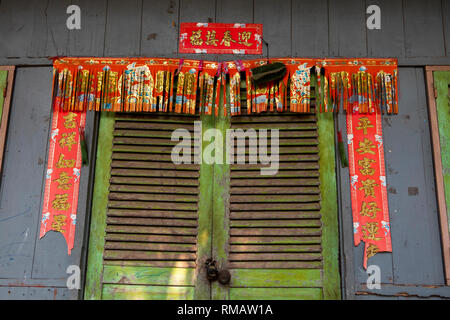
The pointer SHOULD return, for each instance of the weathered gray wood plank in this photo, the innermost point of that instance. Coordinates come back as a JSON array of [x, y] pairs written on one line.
[[50, 34], [198, 11], [410, 291], [33, 28], [123, 28], [277, 27], [310, 28], [423, 28], [234, 11], [23, 170], [389, 40], [159, 28], [347, 25], [89, 40], [33, 293], [409, 167], [446, 18], [16, 25]]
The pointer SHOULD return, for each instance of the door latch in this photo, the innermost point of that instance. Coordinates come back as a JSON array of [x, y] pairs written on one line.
[[213, 274]]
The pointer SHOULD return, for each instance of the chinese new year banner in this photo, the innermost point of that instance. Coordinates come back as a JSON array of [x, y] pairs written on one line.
[[368, 183], [62, 180], [224, 38]]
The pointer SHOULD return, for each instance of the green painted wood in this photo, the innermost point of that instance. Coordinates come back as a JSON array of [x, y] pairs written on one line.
[[442, 85], [275, 248], [154, 253], [93, 288], [276, 294], [276, 223], [295, 278], [275, 240], [133, 292], [275, 272], [159, 117], [329, 210], [221, 199], [148, 276], [3, 84], [205, 212], [144, 276]]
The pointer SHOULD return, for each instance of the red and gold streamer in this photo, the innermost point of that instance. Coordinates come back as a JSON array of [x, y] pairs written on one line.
[[59, 212], [368, 183], [193, 86]]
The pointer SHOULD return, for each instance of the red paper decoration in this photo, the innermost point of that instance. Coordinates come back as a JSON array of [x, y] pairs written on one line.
[[368, 183], [225, 38], [59, 212]]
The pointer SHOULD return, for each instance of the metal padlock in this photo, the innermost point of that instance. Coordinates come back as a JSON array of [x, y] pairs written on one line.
[[211, 270]]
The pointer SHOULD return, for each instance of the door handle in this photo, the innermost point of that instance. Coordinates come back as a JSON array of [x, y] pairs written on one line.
[[213, 274], [224, 277]]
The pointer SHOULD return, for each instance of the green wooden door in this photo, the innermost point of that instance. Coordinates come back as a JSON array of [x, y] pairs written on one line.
[[277, 234], [154, 224], [151, 219]]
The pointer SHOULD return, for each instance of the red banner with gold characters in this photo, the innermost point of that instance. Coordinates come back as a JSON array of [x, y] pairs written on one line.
[[368, 183], [59, 212], [224, 38]]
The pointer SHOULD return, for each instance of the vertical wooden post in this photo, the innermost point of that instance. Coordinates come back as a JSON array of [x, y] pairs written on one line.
[[221, 206], [93, 288], [6, 85]]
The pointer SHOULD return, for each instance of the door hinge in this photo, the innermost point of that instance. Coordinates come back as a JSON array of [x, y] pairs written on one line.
[[435, 91], [4, 89]]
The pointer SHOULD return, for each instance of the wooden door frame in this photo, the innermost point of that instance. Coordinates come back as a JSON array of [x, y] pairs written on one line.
[[97, 230], [437, 160], [5, 110]]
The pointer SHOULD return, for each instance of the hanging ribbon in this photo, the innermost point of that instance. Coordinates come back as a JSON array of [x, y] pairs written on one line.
[[368, 183], [59, 212]]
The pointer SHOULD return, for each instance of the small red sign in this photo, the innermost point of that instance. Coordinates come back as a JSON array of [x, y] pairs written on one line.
[[222, 38]]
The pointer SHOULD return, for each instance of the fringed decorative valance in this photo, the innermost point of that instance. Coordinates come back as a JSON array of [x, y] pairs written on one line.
[[194, 86]]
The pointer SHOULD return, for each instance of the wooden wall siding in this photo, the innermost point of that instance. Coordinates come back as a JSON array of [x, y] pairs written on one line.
[[415, 267], [415, 31], [345, 38], [24, 259]]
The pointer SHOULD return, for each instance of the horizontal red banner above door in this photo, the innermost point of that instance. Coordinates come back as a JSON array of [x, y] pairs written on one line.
[[222, 38]]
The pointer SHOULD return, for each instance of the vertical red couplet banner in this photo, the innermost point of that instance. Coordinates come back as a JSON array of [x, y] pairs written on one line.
[[368, 183], [59, 212]]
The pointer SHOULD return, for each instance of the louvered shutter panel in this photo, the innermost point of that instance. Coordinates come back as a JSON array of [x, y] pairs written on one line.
[[275, 220], [151, 225], [275, 237]]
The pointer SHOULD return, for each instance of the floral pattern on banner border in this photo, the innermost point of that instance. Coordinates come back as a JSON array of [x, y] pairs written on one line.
[[371, 222], [59, 212], [222, 38]]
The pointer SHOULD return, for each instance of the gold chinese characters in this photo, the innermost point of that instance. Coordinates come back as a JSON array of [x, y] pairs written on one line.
[[196, 39]]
